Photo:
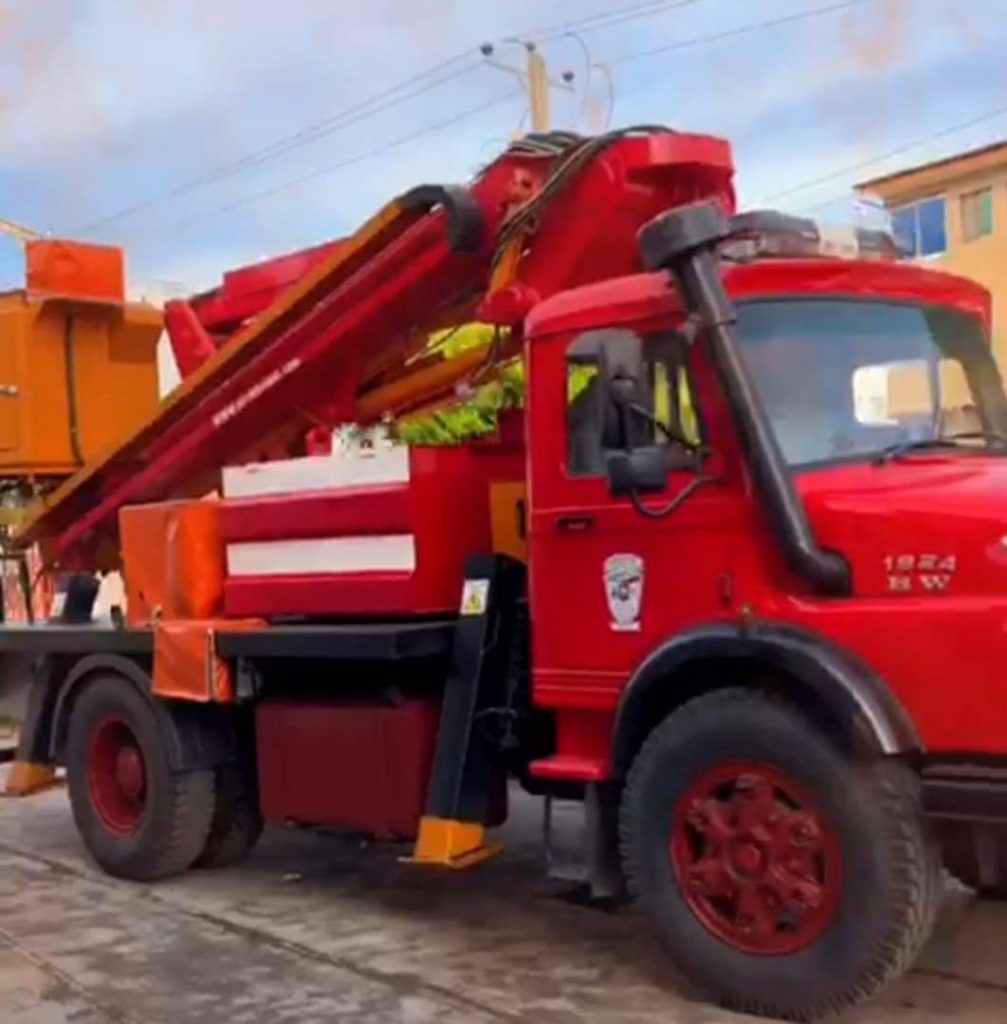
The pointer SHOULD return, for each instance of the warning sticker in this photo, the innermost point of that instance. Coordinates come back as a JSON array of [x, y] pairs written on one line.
[[475, 594]]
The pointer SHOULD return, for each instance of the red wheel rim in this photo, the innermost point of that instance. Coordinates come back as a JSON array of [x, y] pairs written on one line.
[[755, 859], [117, 776]]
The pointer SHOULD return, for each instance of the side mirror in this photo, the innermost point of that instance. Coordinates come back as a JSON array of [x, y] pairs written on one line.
[[641, 471]]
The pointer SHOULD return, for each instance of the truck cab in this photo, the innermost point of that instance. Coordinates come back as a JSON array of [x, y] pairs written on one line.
[[790, 550], [888, 408]]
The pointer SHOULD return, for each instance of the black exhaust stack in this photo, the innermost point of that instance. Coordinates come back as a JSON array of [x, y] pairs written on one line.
[[684, 242]]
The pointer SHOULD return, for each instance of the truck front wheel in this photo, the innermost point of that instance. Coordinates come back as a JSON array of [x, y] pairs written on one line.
[[138, 818], [785, 880]]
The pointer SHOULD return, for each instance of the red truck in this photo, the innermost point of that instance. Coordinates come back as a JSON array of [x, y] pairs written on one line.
[[742, 595]]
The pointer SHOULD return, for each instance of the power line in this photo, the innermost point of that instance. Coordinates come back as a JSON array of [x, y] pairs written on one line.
[[882, 157], [329, 125], [607, 19], [426, 80], [373, 104], [757, 26], [350, 161], [377, 103]]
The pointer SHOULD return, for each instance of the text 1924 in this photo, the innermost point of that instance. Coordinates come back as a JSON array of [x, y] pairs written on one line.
[[927, 573]]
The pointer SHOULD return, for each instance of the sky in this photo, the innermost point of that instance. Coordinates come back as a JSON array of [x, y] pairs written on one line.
[[204, 135]]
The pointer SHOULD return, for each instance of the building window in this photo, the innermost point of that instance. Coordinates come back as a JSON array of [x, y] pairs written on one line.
[[920, 227], [977, 214]]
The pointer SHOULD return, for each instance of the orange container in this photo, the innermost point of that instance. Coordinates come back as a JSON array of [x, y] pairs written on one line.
[[76, 377], [172, 560], [61, 269]]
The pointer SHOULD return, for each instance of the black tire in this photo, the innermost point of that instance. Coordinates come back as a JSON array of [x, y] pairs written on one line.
[[172, 825], [885, 903], [236, 824]]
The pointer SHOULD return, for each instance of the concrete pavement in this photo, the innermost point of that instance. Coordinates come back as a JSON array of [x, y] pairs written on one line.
[[315, 928]]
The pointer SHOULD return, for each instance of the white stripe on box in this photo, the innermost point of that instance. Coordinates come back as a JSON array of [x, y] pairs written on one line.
[[317, 473], [322, 556]]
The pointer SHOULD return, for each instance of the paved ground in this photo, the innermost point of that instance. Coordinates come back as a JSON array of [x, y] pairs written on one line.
[[317, 929]]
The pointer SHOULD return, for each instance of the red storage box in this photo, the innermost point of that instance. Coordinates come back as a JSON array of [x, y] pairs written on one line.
[[358, 766], [382, 535]]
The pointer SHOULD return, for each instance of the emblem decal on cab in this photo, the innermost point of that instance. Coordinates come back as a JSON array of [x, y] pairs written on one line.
[[624, 591]]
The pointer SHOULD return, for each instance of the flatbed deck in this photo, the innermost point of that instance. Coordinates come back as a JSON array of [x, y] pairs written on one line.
[[85, 638], [383, 641], [358, 641]]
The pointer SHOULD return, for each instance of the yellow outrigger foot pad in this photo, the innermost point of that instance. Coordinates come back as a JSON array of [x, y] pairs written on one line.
[[27, 777], [445, 843]]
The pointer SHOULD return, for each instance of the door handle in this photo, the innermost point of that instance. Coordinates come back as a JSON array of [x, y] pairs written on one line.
[[574, 524]]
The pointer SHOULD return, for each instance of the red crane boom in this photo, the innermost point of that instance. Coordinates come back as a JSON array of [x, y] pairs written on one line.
[[550, 213]]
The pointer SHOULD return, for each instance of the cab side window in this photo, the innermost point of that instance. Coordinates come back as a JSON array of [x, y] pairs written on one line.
[[584, 416], [668, 399]]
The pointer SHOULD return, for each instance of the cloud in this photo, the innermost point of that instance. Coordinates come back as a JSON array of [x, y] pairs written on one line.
[[808, 66], [112, 68], [124, 101]]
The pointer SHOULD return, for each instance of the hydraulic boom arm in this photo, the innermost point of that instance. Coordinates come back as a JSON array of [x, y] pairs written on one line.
[[552, 212]]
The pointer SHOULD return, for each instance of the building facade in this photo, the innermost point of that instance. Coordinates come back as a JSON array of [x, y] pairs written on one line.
[[953, 213]]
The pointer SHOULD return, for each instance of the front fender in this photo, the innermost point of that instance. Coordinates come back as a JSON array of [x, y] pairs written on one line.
[[837, 680]]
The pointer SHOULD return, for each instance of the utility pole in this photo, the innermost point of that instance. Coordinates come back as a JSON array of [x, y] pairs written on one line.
[[538, 91], [535, 78]]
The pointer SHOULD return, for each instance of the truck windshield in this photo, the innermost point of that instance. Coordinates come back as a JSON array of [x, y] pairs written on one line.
[[849, 379]]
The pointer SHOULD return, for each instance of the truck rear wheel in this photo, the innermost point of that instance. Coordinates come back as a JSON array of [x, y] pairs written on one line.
[[236, 824], [784, 880], [138, 818]]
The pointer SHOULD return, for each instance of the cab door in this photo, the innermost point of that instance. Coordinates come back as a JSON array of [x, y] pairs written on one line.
[[610, 583]]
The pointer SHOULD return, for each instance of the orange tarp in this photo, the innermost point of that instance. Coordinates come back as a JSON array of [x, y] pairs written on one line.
[[186, 666]]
